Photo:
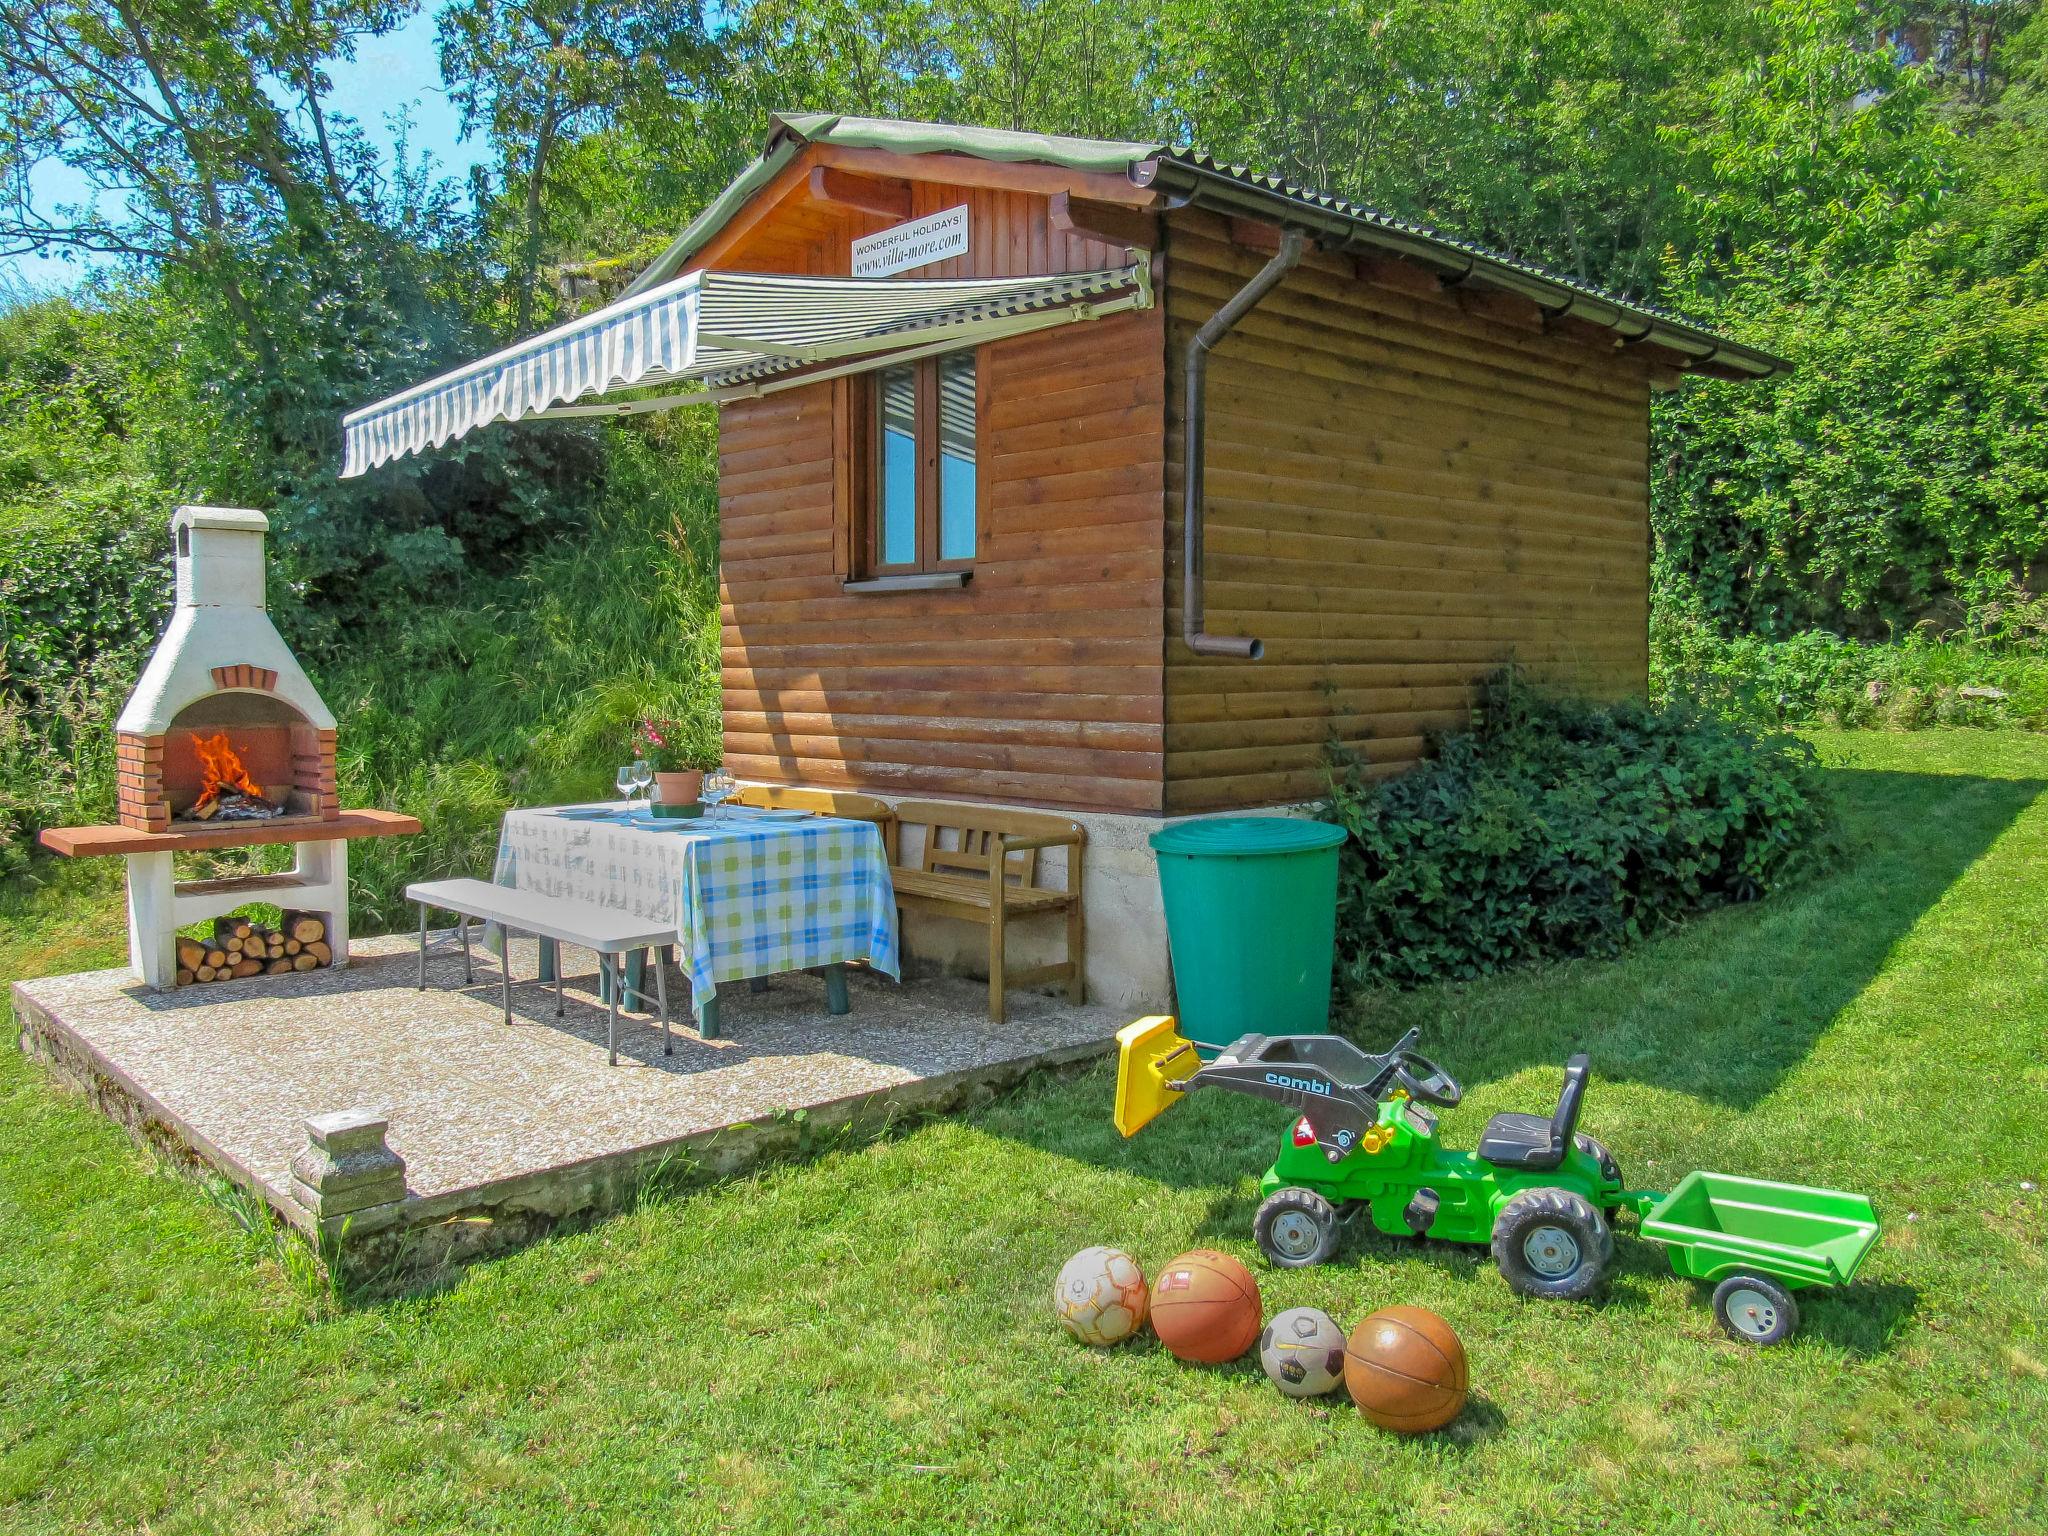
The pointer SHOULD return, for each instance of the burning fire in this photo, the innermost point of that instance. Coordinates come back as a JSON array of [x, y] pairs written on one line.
[[223, 771]]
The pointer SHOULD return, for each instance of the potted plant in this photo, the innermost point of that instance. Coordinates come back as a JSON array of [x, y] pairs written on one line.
[[679, 766]]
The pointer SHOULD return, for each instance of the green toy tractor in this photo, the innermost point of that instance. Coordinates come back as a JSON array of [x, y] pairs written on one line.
[[1536, 1188]]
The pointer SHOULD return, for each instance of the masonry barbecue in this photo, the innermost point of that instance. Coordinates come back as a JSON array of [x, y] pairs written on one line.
[[225, 743]]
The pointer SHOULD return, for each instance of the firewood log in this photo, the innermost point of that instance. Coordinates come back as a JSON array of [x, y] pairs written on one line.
[[303, 962], [319, 951], [191, 954], [292, 946], [231, 946], [184, 976], [275, 949], [304, 927], [248, 967], [202, 973], [277, 968], [216, 958]]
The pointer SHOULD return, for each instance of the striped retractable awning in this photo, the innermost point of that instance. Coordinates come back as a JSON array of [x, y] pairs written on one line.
[[731, 331]]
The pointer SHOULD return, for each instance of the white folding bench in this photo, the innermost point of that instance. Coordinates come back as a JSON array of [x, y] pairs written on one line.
[[611, 934]]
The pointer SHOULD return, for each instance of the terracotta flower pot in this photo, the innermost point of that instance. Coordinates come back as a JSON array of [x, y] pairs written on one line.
[[679, 788]]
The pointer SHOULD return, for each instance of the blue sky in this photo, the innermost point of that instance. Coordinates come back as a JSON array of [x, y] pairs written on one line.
[[391, 72]]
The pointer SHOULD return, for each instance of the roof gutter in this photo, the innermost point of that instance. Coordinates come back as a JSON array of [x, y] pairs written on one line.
[[1199, 187], [1293, 246]]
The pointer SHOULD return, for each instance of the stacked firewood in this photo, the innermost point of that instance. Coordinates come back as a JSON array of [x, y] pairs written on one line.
[[240, 947]]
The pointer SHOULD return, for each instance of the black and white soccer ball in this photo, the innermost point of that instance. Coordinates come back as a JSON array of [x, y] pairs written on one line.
[[1303, 1352]]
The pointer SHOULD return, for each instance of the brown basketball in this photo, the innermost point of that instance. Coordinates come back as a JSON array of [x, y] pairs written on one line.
[[1405, 1369], [1205, 1307]]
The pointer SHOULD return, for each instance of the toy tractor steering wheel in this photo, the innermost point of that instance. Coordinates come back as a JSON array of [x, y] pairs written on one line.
[[1427, 1081]]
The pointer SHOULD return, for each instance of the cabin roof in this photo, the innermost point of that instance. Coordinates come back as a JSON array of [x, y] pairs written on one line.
[[1193, 177]]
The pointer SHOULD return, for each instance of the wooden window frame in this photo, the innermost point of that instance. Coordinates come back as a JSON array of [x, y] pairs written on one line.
[[863, 479]]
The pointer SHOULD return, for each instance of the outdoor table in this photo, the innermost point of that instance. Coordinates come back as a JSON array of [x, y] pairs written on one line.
[[749, 892]]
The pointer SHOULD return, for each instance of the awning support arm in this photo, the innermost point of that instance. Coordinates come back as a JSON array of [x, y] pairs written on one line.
[[1293, 245]]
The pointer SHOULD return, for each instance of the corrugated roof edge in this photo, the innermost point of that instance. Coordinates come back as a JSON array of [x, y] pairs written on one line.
[[1201, 180]]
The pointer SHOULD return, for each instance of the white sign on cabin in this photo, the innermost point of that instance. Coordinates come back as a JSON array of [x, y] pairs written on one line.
[[919, 243]]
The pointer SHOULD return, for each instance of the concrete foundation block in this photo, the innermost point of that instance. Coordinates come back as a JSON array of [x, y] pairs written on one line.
[[345, 1166]]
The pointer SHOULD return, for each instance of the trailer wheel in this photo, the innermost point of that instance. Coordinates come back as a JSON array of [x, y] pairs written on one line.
[[1755, 1310], [1296, 1228], [1552, 1244]]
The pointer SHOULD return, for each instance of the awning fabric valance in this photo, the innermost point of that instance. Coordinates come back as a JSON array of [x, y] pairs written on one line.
[[731, 331]]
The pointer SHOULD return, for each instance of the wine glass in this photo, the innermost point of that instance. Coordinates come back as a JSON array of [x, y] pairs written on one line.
[[625, 781], [643, 775], [718, 787]]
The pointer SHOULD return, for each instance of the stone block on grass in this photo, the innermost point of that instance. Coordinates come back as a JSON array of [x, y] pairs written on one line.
[[345, 1166]]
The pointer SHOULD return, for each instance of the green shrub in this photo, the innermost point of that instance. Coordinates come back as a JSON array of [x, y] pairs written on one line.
[[528, 692], [1817, 678], [522, 690], [1556, 829]]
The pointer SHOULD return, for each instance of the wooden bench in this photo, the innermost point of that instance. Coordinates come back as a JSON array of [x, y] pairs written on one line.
[[981, 864], [825, 802], [611, 934]]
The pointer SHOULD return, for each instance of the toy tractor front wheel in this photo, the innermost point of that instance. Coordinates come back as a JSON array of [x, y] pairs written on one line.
[[1296, 1228], [1755, 1310], [1552, 1244]]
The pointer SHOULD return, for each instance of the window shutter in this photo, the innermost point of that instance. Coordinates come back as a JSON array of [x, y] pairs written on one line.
[[845, 504]]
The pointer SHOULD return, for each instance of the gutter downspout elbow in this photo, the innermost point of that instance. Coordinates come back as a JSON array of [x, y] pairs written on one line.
[[1293, 246]]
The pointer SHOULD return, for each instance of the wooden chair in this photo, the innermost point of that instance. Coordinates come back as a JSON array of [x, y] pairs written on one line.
[[825, 802], [981, 864]]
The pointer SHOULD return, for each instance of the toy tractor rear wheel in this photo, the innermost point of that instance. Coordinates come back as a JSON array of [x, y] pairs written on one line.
[[1296, 1228], [1551, 1243], [1755, 1310]]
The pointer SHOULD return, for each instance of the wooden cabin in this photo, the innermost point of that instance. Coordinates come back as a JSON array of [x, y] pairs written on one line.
[[955, 564]]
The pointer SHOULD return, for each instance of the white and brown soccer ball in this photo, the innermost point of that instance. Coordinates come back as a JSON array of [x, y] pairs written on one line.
[[1101, 1296], [1303, 1352]]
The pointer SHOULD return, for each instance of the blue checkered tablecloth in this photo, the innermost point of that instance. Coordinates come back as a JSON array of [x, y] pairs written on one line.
[[748, 893]]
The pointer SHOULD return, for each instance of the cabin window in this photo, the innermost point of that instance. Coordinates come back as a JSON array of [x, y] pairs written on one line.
[[924, 466]]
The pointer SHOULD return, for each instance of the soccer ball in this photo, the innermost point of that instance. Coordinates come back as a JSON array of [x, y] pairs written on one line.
[[1303, 1352], [1100, 1296]]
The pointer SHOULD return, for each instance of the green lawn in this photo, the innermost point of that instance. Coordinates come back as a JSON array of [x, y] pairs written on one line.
[[863, 1341]]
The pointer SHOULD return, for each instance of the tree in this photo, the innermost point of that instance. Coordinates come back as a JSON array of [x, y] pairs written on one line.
[[534, 75], [1056, 66], [175, 114]]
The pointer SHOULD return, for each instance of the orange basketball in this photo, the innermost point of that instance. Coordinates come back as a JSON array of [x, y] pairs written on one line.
[[1205, 1307], [1405, 1369]]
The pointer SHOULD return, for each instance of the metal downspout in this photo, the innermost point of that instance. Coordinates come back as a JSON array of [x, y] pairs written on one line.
[[1293, 245]]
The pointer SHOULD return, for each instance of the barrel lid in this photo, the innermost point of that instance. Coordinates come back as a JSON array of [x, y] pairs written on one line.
[[1240, 836]]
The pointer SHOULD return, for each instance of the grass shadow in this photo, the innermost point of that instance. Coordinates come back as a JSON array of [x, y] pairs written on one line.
[[1722, 1007], [1690, 1033], [1717, 1010]]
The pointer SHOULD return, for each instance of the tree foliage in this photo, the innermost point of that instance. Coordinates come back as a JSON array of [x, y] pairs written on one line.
[[1860, 186]]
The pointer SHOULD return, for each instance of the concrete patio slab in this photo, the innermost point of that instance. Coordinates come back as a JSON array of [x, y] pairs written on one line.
[[506, 1130]]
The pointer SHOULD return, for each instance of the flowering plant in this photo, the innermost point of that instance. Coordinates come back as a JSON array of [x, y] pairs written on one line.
[[667, 746]]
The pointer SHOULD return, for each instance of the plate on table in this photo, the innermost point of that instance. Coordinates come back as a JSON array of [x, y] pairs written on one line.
[[588, 813], [647, 821]]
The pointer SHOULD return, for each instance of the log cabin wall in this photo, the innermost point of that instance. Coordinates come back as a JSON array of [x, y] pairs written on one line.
[[1406, 488], [1041, 681]]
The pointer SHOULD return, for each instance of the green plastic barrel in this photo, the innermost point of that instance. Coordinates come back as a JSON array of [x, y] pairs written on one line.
[[1251, 917]]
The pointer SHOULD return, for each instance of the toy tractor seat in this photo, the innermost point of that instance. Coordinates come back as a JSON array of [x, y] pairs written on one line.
[[1530, 1142]]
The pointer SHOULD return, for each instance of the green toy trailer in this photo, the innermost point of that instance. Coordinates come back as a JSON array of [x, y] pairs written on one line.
[[1540, 1192], [1758, 1242]]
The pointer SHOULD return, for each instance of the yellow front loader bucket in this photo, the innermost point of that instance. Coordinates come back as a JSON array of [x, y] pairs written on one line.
[[1150, 1054]]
